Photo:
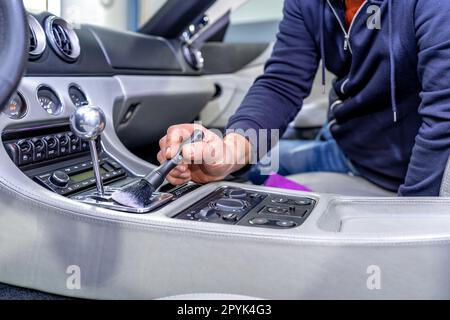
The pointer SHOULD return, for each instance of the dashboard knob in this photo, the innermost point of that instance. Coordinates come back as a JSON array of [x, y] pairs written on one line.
[[88, 122], [230, 205], [207, 213], [237, 194], [60, 179]]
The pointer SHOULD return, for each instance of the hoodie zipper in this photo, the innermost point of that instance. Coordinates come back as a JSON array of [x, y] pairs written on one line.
[[347, 44]]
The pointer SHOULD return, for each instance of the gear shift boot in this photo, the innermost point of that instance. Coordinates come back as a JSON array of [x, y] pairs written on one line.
[[88, 123]]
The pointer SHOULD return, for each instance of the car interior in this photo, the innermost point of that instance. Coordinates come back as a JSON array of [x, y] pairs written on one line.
[[190, 61]]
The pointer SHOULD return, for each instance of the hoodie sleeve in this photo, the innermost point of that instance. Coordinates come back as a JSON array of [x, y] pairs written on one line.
[[432, 148], [277, 96]]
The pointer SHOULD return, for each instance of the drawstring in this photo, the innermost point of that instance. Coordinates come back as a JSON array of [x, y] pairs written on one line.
[[392, 61], [322, 44]]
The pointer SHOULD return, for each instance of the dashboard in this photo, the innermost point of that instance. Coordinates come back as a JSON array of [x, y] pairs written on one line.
[[57, 49]]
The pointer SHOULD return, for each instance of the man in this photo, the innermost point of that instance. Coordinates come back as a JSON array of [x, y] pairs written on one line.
[[389, 119]]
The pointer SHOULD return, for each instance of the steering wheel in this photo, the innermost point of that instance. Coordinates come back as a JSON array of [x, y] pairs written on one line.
[[13, 46]]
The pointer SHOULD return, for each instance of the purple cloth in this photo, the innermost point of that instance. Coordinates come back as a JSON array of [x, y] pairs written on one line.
[[277, 181]]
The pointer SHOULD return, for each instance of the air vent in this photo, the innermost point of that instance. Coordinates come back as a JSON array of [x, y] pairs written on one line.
[[37, 39], [63, 38]]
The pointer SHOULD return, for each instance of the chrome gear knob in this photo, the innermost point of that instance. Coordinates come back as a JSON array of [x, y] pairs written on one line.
[[88, 122]]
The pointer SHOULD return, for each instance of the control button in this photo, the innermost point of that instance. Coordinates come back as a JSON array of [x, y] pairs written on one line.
[[237, 194], [60, 179], [63, 139], [229, 205], [40, 152], [64, 151], [277, 210], [84, 146], [75, 143], [52, 147], [115, 164], [51, 142], [286, 224], [25, 152], [39, 156], [303, 202], [230, 217], [280, 200], [44, 176], [64, 144], [25, 146], [107, 167], [52, 153], [259, 221], [206, 213], [25, 158], [60, 191]]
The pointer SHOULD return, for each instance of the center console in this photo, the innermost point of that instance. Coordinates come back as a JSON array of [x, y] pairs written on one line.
[[238, 206], [64, 162]]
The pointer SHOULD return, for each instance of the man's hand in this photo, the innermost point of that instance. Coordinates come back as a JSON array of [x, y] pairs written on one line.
[[210, 160]]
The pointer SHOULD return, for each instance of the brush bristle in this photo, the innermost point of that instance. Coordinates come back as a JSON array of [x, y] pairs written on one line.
[[136, 195]]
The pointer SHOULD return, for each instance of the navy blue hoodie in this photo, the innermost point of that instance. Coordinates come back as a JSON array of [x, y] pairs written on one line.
[[392, 116]]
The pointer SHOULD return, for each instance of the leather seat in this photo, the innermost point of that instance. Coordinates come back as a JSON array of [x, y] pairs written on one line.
[[341, 184]]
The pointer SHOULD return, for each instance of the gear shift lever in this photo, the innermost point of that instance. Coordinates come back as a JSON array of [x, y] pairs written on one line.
[[88, 123]]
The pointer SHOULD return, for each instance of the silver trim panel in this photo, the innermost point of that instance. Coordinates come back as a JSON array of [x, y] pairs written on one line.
[[39, 34], [53, 21]]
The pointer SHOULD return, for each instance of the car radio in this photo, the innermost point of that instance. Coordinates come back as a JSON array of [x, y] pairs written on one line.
[[59, 160], [68, 180]]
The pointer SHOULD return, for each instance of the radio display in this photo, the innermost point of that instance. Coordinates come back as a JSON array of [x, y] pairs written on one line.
[[85, 175]]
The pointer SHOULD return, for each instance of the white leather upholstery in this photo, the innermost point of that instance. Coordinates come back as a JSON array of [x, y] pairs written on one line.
[[120, 256], [341, 184]]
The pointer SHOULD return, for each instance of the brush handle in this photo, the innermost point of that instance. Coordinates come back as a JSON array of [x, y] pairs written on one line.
[[157, 177]]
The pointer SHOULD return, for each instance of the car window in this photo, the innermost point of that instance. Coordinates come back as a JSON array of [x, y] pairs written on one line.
[[115, 14], [255, 22]]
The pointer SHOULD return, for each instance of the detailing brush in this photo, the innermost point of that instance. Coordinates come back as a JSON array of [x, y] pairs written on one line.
[[138, 194]]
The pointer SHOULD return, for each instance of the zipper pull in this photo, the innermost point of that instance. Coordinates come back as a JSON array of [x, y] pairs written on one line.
[[346, 42]]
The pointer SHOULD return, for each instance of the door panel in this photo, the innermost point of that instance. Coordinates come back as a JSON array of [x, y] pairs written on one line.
[[233, 88], [224, 58], [152, 104]]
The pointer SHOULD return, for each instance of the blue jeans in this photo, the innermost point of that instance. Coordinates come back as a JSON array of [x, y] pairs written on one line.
[[300, 156]]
